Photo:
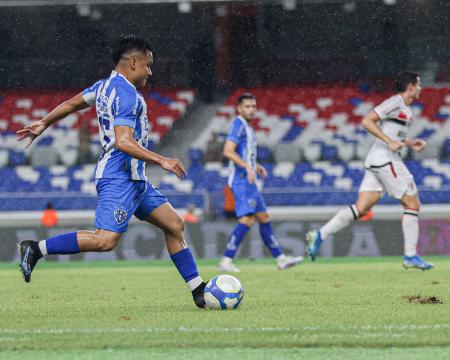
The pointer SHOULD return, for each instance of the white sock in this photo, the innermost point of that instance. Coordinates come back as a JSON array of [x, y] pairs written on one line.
[[195, 282], [227, 259], [339, 221], [43, 247], [410, 226]]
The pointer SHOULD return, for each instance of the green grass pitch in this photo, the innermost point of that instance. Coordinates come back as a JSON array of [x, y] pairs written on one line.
[[333, 309]]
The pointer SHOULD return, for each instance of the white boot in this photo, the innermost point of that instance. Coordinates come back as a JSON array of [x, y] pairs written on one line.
[[284, 262], [226, 264]]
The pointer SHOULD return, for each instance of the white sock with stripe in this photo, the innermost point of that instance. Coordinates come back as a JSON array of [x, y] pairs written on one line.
[[339, 221], [410, 226], [43, 247]]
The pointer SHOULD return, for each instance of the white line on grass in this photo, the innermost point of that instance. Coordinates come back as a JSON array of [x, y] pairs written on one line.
[[129, 330]]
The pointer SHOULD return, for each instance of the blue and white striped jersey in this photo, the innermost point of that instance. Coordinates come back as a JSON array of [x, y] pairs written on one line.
[[242, 134], [117, 102]]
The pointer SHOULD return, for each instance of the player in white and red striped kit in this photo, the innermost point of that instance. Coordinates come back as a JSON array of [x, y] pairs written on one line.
[[385, 171]]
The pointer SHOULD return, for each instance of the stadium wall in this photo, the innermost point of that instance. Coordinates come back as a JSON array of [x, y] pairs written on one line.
[[380, 237]]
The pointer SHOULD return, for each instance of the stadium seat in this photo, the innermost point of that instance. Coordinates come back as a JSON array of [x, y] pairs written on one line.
[[4, 158], [287, 152], [312, 152], [44, 156]]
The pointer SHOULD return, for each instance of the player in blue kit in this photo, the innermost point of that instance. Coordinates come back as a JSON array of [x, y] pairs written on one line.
[[123, 189], [240, 149]]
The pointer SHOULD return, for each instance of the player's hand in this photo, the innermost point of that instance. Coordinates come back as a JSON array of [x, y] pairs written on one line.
[[175, 166], [31, 132], [251, 177], [261, 171], [418, 144], [395, 145]]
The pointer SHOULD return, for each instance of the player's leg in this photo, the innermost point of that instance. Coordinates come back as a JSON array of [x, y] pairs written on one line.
[[369, 194], [156, 210], [234, 241], [116, 204], [399, 183], [410, 227], [245, 212], [69, 243], [269, 239]]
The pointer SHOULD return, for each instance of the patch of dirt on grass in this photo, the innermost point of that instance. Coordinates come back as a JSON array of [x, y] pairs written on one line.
[[417, 299]]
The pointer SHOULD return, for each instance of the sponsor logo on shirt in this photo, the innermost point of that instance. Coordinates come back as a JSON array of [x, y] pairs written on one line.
[[117, 100]]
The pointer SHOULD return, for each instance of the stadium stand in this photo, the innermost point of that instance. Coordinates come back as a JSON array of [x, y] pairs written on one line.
[[309, 139], [50, 166], [311, 142]]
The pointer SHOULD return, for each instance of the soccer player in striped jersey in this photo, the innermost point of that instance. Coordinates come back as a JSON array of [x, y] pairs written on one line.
[[386, 172], [122, 186], [240, 149]]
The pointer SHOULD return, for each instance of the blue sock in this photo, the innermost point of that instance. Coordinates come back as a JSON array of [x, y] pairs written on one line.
[[269, 239], [185, 263], [235, 239], [63, 244]]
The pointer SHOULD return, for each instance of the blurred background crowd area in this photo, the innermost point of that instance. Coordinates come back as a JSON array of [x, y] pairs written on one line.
[[316, 67]]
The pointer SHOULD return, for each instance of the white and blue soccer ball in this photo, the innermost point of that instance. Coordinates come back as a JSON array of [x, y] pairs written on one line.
[[223, 292]]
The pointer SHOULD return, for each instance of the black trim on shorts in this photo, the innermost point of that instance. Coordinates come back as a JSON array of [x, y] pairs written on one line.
[[380, 166]]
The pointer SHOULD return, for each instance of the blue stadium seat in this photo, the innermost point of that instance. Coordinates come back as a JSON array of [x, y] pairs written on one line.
[[329, 152], [16, 158], [264, 154], [446, 149], [195, 156]]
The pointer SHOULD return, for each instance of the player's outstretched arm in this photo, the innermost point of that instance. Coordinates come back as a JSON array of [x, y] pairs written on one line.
[[127, 144], [369, 122], [36, 128], [229, 151]]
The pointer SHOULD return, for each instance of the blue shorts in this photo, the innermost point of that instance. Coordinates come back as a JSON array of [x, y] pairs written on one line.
[[248, 199], [119, 199]]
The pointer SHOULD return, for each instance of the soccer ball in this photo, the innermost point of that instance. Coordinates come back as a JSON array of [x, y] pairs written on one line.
[[223, 292]]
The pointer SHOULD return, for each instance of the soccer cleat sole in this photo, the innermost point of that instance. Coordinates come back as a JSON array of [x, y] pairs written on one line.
[[413, 267]]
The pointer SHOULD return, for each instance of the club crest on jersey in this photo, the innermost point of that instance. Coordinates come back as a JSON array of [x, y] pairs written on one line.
[[120, 215]]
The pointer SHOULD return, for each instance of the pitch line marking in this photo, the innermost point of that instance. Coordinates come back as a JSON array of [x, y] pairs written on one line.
[[364, 329]]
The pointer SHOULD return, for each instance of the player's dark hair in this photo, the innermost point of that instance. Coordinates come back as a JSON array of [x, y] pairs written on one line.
[[404, 78], [245, 96], [129, 43]]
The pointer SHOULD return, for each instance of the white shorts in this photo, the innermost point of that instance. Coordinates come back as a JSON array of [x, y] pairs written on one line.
[[393, 178]]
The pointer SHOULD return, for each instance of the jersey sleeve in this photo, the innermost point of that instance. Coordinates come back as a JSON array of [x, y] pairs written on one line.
[[90, 93], [124, 108], [236, 130], [386, 107]]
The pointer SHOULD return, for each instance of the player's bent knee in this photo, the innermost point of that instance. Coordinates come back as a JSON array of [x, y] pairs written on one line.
[[176, 226], [412, 203], [263, 218], [107, 243], [247, 220]]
